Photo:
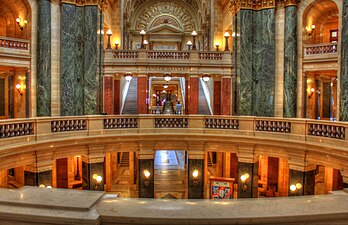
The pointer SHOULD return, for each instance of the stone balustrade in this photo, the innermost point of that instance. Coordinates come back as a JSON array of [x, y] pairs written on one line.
[[320, 49], [14, 43], [332, 133], [151, 57]]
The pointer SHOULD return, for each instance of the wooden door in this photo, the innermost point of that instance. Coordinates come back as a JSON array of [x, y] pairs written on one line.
[[62, 173]]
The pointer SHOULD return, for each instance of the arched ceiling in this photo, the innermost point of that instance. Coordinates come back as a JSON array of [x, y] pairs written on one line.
[[320, 10], [190, 13]]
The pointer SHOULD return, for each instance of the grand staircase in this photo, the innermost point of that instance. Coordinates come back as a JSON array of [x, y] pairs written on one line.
[[203, 107], [130, 104]]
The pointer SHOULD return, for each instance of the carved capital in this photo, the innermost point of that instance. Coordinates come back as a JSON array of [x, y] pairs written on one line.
[[236, 5], [103, 4], [291, 2]]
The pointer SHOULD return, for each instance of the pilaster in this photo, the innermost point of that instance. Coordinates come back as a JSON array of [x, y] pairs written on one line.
[[192, 94], [142, 94], [108, 82], [226, 93]]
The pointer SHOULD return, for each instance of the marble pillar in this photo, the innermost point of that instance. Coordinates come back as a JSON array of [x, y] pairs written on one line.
[[295, 177], [37, 178], [11, 97], [108, 95], [27, 94], [226, 95], [217, 97], [146, 185], [195, 185], [117, 91], [290, 62], [244, 61], [192, 98], [245, 168], [344, 65], [43, 92], [264, 95], [79, 50], [88, 170], [142, 94]]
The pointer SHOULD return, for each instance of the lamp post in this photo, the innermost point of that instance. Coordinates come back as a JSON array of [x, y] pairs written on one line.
[[142, 33], [116, 45], [217, 45], [194, 34], [109, 33], [226, 35], [189, 44]]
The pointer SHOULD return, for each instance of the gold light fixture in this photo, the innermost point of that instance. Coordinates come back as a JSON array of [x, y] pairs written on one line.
[[311, 30], [21, 23], [167, 77], [194, 34], [116, 44], [311, 93], [128, 76], [109, 33], [165, 86], [195, 174], [147, 175], [243, 179], [189, 44], [206, 77], [217, 45], [226, 35], [98, 180], [19, 87], [142, 33], [145, 43], [295, 187]]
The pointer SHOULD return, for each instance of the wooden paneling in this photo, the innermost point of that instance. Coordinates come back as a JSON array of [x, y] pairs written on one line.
[[273, 167], [62, 173]]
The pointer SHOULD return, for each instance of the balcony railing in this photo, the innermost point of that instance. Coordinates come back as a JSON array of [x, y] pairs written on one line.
[[26, 130], [320, 49], [151, 57], [14, 43]]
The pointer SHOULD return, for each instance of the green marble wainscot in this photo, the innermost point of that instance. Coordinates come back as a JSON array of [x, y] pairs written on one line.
[[244, 61], [44, 58], [290, 62], [344, 65], [195, 185], [79, 59]]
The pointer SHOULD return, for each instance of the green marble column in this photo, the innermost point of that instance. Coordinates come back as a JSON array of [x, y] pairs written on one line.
[[290, 62], [264, 94], [88, 170], [79, 50], [244, 61], [43, 91], [344, 65], [195, 185]]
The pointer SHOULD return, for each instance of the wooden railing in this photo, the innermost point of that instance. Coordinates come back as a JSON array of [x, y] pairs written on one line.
[[14, 43], [320, 49]]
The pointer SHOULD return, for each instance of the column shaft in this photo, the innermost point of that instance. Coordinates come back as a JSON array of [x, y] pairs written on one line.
[[344, 65]]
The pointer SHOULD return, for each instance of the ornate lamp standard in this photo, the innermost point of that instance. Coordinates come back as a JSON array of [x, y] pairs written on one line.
[[142, 33], [194, 34], [226, 35]]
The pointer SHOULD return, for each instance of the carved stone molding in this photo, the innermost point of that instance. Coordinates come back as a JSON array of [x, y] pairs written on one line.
[[103, 4], [290, 2], [236, 5], [174, 12]]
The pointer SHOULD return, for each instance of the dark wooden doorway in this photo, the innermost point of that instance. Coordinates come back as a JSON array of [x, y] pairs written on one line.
[[62, 173]]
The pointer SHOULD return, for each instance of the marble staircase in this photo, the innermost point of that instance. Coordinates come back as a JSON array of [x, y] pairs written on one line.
[[131, 102], [203, 107]]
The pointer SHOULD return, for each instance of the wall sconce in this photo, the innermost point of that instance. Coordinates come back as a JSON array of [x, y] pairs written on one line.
[[147, 175], [195, 174], [311, 30], [295, 187], [189, 44], [18, 87], [128, 76], [217, 45], [100, 32], [167, 77], [226, 35], [142, 33], [311, 93], [77, 176], [194, 34], [21, 23], [206, 77], [243, 179], [116, 44], [145, 43], [165, 86], [109, 33], [98, 179]]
